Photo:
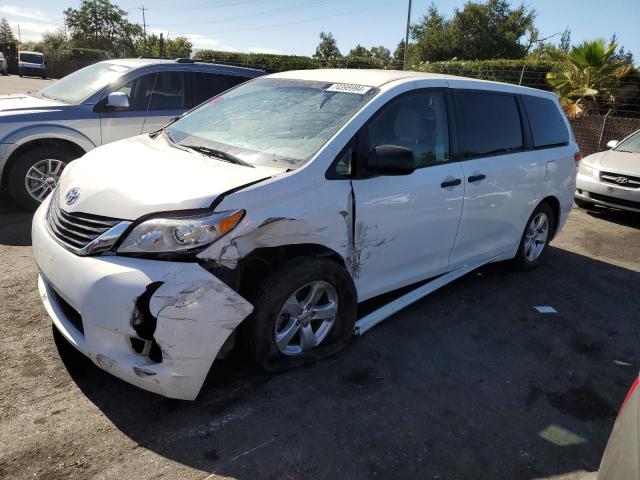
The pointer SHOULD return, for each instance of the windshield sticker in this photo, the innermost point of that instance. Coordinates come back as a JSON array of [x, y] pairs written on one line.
[[348, 88]]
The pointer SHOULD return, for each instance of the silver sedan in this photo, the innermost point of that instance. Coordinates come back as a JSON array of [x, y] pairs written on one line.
[[611, 178]]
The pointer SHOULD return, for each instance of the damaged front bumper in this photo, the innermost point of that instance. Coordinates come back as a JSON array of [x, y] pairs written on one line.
[[94, 302]]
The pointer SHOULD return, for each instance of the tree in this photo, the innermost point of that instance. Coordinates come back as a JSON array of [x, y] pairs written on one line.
[[381, 53], [359, 51], [328, 48], [480, 31], [433, 36], [6, 33], [621, 55], [590, 78], [99, 24], [179, 47], [565, 40]]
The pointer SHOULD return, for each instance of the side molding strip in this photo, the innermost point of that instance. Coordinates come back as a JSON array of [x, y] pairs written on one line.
[[374, 318]]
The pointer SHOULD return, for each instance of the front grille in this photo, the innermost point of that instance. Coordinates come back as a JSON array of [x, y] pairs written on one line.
[[620, 179], [76, 230], [614, 201], [71, 313]]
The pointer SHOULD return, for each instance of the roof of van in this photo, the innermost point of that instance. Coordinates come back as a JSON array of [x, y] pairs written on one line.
[[378, 78], [370, 78], [184, 63]]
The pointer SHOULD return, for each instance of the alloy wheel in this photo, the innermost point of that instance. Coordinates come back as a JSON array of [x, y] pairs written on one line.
[[306, 318], [42, 178]]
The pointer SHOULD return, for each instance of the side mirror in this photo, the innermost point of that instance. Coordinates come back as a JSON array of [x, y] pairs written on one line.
[[391, 160], [117, 101], [612, 143]]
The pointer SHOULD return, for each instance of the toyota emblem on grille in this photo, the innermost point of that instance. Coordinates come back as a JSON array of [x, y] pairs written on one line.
[[622, 180], [72, 196]]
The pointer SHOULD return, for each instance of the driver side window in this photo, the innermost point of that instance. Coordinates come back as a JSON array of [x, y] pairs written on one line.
[[417, 121], [139, 91]]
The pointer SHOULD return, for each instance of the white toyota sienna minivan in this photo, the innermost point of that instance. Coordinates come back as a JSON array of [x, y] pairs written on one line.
[[265, 215]]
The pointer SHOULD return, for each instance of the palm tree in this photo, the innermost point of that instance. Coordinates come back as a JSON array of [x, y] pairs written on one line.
[[589, 77]]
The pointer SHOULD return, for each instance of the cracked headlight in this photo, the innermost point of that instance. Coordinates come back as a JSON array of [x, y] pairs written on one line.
[[587, 170], [180, 233]]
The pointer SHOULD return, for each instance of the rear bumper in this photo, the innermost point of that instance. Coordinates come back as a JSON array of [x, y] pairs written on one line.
[[589, 189], [36, 72], [195, 312]]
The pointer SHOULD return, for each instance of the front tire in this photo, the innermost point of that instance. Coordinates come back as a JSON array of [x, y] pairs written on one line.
[[305, 310], [535, 239], [35, 174]]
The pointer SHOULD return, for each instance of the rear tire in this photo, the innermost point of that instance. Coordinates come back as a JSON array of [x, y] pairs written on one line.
[[268, 320], [535, 238], [21, 166]]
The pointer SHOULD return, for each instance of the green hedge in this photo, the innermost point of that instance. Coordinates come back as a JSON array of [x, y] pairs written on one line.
[[508, 71], [281, 63]]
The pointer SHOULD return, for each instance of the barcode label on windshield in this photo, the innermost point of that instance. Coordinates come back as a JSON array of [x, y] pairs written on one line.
[[348, 88]]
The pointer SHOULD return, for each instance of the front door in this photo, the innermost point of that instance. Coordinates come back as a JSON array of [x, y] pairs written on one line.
[[154, 99], [406, 225]]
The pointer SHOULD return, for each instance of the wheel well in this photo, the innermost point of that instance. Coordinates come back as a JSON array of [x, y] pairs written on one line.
[[259, 264], [42, 142], [555, 208]]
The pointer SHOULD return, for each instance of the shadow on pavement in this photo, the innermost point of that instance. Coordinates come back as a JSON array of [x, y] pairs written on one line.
[[15, 227], [470, 382], [626, 219]]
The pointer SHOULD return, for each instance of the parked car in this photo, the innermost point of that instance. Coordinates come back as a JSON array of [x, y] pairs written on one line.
[[31, 64], [611, 178], [281, 204], [4, 67], [621, 460], [41, 132]]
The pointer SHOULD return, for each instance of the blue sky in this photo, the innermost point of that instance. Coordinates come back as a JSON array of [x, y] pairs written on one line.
[[292, 26]]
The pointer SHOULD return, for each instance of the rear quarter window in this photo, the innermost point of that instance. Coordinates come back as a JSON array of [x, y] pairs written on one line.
[[488, 124], [547, 125]]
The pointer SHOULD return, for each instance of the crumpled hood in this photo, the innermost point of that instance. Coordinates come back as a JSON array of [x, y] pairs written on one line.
[[615, 161], [141, 175], [18, 104]]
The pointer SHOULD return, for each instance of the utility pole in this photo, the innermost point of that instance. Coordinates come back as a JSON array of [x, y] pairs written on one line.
[[144, 29], [144, 22], [406, 38], [19, 36]]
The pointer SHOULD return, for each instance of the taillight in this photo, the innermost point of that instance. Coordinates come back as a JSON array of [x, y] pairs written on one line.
[[577, 156], [634, 385]]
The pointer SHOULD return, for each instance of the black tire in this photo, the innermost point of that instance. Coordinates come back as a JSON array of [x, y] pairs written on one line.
[[257, 334], [520, 261], [20, 166], [44, 77]]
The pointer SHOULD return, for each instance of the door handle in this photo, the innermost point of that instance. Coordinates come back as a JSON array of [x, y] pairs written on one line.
[[451, 183], [476, 178]]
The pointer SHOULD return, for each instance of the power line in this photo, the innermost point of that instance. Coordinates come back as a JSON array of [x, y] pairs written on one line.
[[266, 27], [144, 22], [242, 17], [208, 5]]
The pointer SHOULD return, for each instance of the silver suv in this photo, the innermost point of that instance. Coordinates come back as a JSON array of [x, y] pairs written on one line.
[[41, 132]]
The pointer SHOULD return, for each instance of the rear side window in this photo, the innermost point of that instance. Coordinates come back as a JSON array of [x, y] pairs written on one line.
[[547, 125], [207, 85], [488, 124]]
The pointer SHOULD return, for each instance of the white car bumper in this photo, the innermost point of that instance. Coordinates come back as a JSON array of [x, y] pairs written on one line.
[[592, 190], [195, 312]]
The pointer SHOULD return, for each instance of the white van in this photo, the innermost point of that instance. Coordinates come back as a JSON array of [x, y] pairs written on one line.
[[264, 216]]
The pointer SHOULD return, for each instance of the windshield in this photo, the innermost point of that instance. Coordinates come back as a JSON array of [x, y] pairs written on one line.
[[83, 83], [31, 58], [271, 121], [631, 144]]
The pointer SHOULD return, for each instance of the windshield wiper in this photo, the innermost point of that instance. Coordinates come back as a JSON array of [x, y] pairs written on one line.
[[222, 155]]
